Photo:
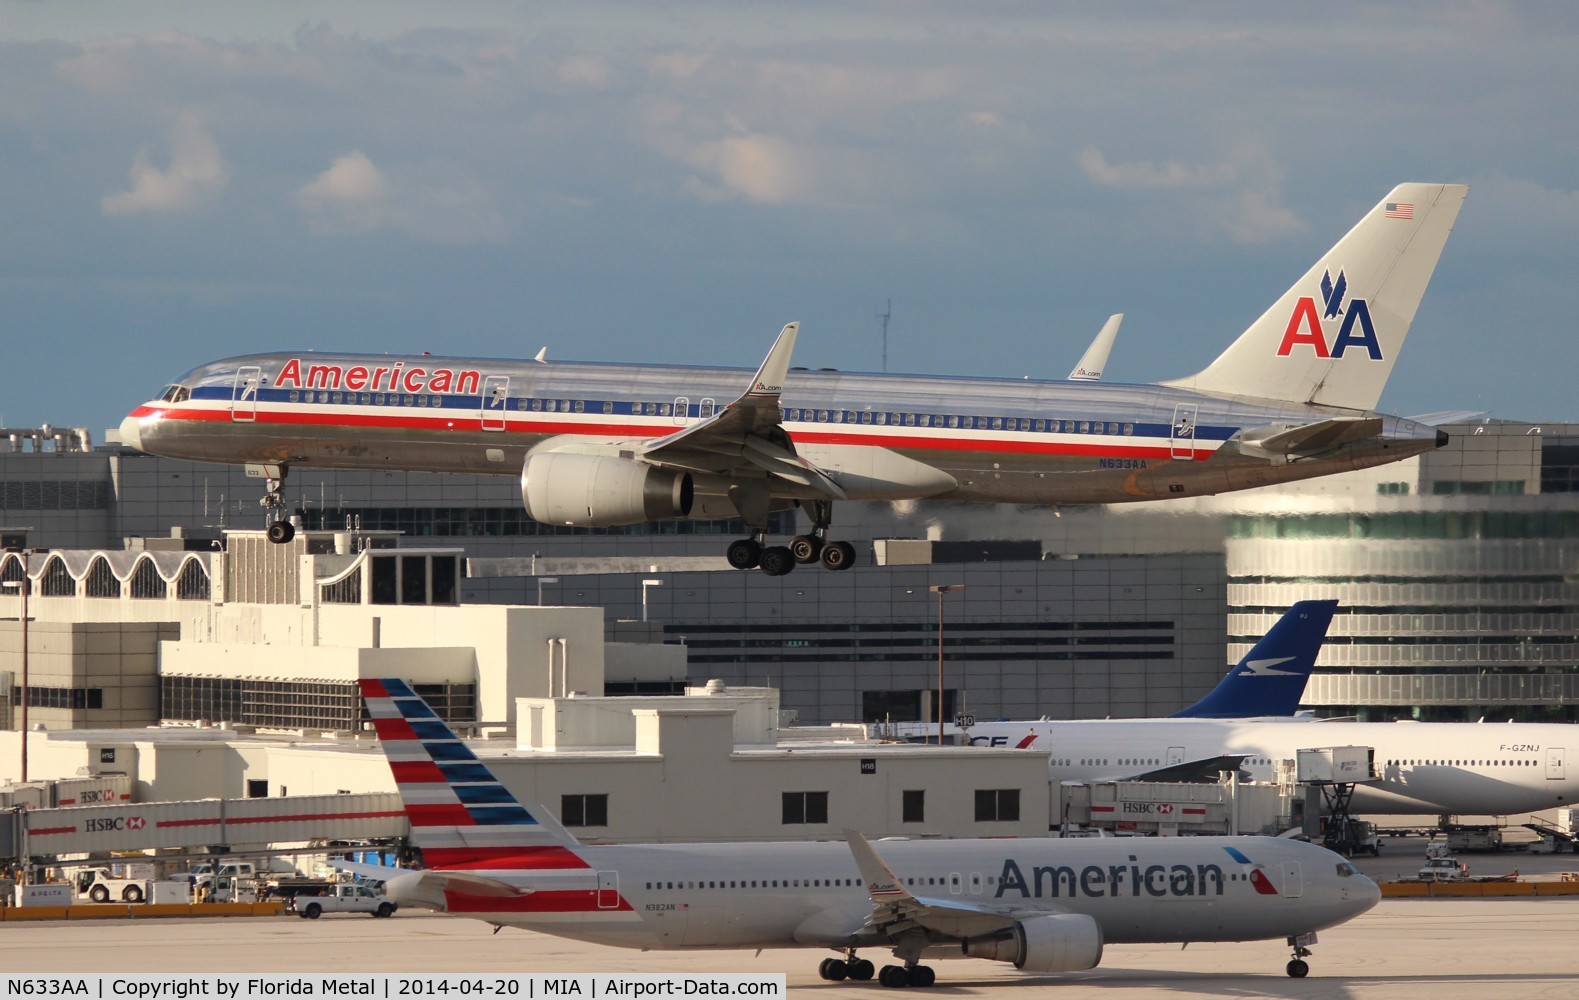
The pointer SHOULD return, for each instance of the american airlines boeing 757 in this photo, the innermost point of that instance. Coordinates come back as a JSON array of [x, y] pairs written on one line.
[[612, 444], [1042, 904]]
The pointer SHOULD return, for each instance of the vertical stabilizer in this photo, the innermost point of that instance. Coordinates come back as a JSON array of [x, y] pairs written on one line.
[[1333, 337], [461, 816], [1271, 678]]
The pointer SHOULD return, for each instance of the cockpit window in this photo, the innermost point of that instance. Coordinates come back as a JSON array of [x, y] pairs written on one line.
[[175, 394], [1345, 869]]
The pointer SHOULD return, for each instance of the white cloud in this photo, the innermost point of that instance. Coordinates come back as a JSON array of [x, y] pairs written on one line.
[[197, 173], [351, 196], [1240, 196], [437, 203], [760, 168]]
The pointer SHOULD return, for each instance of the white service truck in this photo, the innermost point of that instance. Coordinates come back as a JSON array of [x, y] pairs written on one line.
[[345, 899]]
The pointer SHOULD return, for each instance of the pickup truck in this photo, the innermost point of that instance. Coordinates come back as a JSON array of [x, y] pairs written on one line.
[[1443, 869], [345, 899]]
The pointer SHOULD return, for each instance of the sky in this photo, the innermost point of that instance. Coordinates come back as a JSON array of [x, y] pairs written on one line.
[[184, 181]]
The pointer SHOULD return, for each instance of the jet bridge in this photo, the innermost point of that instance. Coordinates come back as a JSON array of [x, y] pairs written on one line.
[[204, 825]]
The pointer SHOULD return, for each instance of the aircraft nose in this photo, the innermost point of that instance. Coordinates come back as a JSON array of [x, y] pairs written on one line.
[[132, 432], [1365, 894]]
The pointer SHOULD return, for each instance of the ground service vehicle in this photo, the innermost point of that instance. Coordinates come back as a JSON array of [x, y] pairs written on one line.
[[1444, 870], [345, 899], [102, 887]]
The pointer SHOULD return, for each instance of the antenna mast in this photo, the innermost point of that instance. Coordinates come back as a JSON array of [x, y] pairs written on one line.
[[885, 315]]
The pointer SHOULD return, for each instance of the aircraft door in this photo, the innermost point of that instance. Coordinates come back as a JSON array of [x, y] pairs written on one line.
[[1183, 440], [1293, 880], [705, 407], [682, 410], [956, 885], [1175, 755], [1554, 764], [608, 890], [244, 394], [494, 401]]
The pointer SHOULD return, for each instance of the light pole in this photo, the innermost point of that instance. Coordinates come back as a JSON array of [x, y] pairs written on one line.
[[24, 587], [941, 589], [644, 585], [540, 581]]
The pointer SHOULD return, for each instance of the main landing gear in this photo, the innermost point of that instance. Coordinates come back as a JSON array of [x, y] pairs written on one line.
[[849, 967], [777, 560]]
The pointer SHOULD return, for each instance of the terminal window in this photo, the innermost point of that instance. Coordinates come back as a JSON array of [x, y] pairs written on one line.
[[997, 805], [584, 810], [914, 806], [805, 807]]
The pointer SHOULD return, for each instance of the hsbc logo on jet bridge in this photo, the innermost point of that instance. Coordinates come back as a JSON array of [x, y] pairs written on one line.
[[113, 824], [1355, 328]]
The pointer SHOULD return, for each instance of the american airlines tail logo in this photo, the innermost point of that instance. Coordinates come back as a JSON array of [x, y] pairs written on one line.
[[1305, 323]]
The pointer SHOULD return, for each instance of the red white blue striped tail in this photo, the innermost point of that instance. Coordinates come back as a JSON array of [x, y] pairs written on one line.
[[461, 816]]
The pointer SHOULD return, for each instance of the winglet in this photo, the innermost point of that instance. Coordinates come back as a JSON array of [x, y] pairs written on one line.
[[1095, 359], [769, 381], [882, 885], [1271, 678]]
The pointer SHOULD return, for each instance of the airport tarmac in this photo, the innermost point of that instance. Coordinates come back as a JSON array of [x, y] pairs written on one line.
[[1435, 949]]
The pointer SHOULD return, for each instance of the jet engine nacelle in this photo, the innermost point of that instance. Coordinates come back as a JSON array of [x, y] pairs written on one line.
[[601, 490], [1058, 942]]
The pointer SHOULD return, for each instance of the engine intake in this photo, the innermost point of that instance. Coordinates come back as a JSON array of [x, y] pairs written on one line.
[[1058, 942], [591, 491]]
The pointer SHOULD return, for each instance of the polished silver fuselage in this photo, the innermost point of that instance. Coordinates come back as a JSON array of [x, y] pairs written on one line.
[[963, 439]]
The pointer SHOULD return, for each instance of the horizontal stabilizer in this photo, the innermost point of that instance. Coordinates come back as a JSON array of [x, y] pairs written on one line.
[[1285, 441]]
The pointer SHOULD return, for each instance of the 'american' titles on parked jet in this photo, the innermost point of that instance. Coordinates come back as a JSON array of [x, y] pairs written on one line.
[[1045, 905], [610, 444]]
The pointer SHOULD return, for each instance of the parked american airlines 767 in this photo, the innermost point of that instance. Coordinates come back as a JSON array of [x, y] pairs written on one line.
[[1442, 768], [1045, 905], [610, 444]]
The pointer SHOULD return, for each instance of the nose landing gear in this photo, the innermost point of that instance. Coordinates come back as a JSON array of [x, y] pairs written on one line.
[[1297, 967], [280, 530]]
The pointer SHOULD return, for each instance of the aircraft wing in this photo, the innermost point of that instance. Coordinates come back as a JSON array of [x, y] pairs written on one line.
[[748, 433], [1204, 770], [896, 910]]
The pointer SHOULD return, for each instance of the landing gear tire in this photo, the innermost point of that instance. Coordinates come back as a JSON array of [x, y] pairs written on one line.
[[833, 970], [1298, 968], [777, 560], [744, 553], [838, 555], [806, 548], [281, 532], [861, 970], [894, 977], [920, 975]]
